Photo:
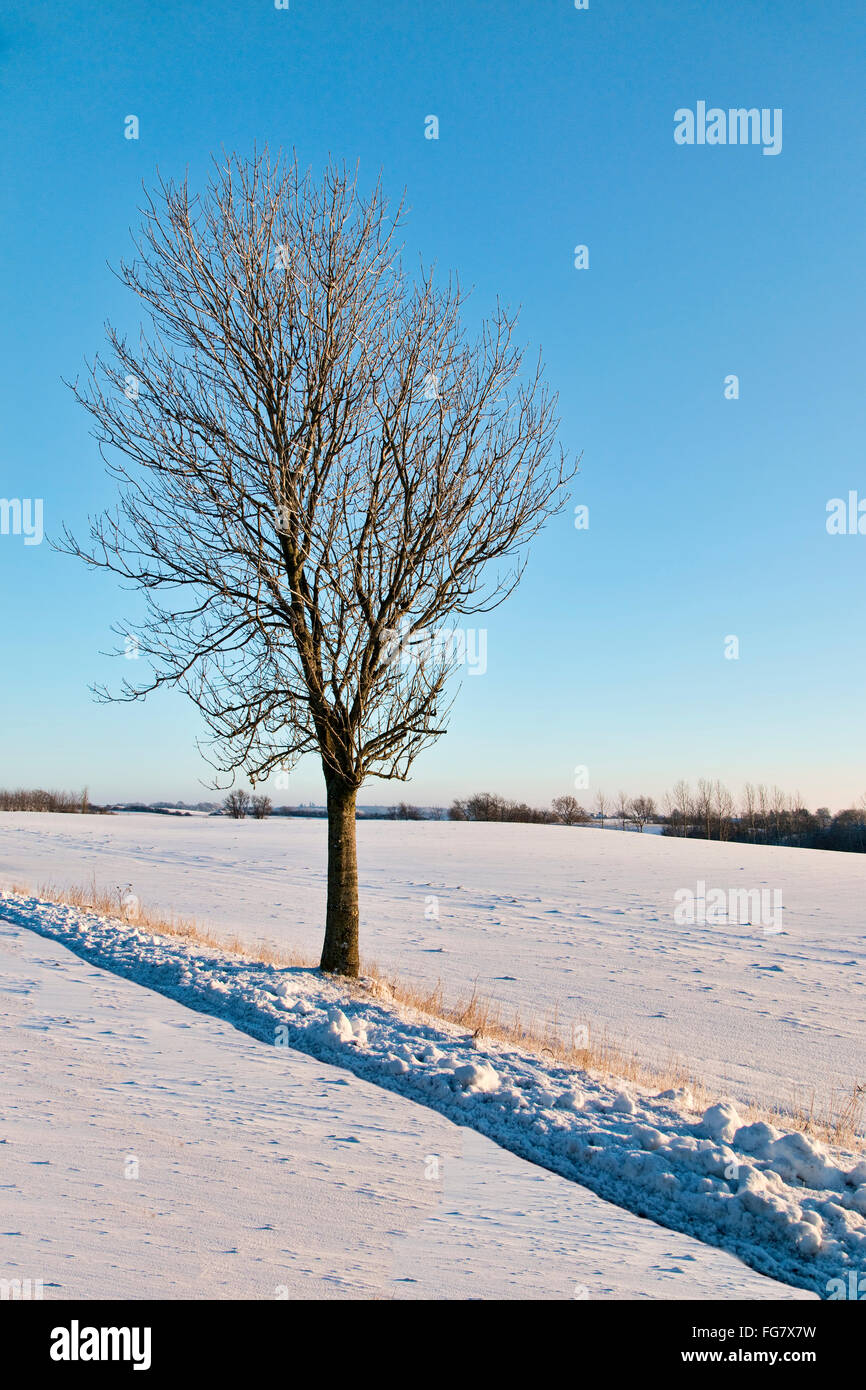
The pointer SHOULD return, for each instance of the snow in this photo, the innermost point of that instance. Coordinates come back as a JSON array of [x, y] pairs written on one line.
[[783, 1203], [547, 919], [721, 1122], [475, 1076], [151, 1150], [556, 922]]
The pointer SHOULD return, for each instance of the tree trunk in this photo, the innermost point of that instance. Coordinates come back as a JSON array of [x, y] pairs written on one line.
[[340, 951]]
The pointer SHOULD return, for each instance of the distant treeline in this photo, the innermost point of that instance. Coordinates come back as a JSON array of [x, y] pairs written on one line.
[[76, 803], [765, 816], [486, 806]]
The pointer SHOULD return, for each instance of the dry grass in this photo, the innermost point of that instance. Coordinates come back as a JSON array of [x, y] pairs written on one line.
[[836, 1118], [108, 902], [566, 1043]]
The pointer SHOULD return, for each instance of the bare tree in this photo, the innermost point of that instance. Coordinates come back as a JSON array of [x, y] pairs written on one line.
[[704, 806], [724, 807], [236, 804], [622, 805], [683, 805], [642, 810], [260, 806], [318, 467], [602, 806], [763, 807], [569, 810], [749, 805], [800, 818]]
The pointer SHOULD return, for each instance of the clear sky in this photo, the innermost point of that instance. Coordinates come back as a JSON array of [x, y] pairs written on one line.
[[556, 129]]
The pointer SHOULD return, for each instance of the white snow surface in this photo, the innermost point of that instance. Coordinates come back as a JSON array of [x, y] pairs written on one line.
[[783, 1203], [547, 919], [151, 1151]]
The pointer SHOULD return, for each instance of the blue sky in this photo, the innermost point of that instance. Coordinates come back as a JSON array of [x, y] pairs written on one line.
[[707, 515]]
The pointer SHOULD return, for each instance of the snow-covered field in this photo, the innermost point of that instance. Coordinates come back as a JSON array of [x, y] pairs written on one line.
[[318, 1166], [151, 1151], [546, 918]]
